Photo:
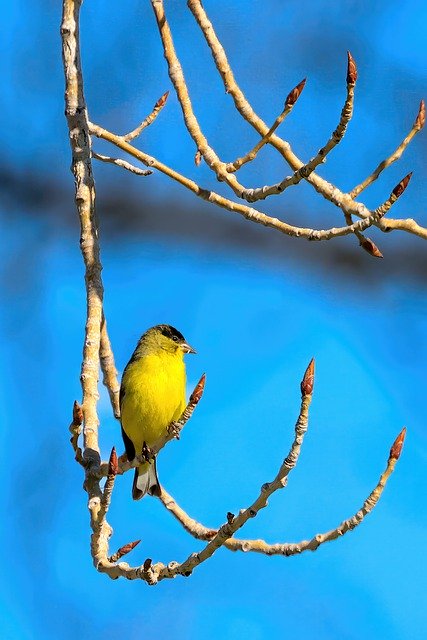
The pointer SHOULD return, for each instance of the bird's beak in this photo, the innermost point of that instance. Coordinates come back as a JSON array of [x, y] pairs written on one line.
[[187, 348]]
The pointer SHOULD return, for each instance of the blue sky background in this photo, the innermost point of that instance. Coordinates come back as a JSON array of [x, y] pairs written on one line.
[[256, 306]]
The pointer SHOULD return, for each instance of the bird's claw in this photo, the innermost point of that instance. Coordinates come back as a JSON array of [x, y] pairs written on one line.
[[147, 453], [173, 430]]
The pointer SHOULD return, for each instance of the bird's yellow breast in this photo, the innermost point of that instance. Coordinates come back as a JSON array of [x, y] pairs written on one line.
[[154, 395]]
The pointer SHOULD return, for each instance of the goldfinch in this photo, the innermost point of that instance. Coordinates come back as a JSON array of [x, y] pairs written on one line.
[[152, 395]]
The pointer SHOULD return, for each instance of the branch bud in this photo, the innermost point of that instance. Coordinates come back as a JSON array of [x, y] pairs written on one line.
[[400, 188], [397, 445], [230, 517], [351, 69], [197, 158], [127, 548], [77, 414], [198, 390], [113, 463], [162, 101], [308, 380], [147, 564], [420, 120], [295, 94], [370, 247]]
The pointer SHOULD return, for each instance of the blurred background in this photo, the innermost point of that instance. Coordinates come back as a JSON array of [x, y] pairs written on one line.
[[257, 306]]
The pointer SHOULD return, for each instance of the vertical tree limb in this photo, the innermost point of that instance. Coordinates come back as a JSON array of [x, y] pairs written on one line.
[[76, 114]]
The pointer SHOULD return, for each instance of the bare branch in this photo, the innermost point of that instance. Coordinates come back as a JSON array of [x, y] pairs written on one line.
[[409, 224], [253, 195], [113, 469], [108, 368], [122, 163], [394, 195], [234, 523], [149, 119], [416, 127], [326, 189], [247, 212], [251, 155], [200, 532], [177, 78], [97, 351], [76, 430], [76, 114]]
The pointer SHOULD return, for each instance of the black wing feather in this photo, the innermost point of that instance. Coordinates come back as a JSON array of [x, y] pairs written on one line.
[[129, 448]]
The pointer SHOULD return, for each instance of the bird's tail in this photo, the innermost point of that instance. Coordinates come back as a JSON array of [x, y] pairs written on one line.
[[145, 481]]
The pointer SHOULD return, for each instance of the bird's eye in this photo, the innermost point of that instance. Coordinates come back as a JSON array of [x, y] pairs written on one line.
[[175, 338]]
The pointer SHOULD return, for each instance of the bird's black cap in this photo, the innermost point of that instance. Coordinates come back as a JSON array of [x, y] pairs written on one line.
[[170, 332]]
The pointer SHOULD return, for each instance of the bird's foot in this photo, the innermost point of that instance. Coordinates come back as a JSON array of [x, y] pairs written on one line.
[[147, 453], [174, 430]]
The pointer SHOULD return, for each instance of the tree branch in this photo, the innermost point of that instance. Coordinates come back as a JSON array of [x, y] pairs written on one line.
[[247, 212], [97, 350], [122, 163], [251, 155], [201, 532], [108, 368], [149, 119], [330, 192], [416, 127]]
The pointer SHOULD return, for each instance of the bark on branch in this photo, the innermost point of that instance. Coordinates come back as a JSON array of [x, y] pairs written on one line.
[[97, 349]]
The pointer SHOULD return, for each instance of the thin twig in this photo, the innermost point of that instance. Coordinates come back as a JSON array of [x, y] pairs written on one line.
[[108, 368], [253, 195], [416, 127], [76, 430], [251, 155], [122, 163], [113, 469], [149, 119]]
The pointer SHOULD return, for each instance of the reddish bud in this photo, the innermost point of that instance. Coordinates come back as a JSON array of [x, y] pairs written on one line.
[[77, 414], [147, 564], [161, 101], [351, 69], [113, 463], [308, 380], [400, 188], [127, 548], [396, 448], [420, 120], [371, 247], [295, 94], [197, 158], [198, 390]]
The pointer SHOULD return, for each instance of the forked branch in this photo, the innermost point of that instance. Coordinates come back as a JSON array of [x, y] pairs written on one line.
[[97, 350], [200, 532]]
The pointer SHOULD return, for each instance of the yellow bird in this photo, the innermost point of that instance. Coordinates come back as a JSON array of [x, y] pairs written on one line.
[[152, 395]]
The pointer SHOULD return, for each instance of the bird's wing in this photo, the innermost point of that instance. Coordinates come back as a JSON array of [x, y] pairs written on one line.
[[129, 448]]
